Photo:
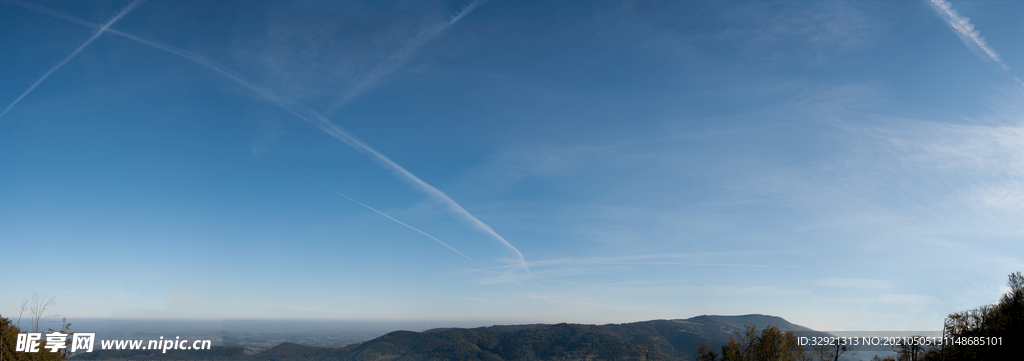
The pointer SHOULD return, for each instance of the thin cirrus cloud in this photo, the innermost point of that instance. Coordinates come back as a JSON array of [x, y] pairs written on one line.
[[394, 61], [100, 29], [650, 259], [965, 30], [316, 119], [857, 283], [906, 299], [1008, 197]]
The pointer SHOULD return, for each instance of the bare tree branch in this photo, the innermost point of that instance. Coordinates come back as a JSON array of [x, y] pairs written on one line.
[[37, 310]]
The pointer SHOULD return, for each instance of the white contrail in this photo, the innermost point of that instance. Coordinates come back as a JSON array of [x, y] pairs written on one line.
[[398, 58], [965, 30], [466, 10], [393, 219], [324, 124], [340, 133], [99, 31], [329, 127]]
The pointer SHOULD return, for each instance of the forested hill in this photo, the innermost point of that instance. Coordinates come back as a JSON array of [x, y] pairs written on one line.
[[666, 340]]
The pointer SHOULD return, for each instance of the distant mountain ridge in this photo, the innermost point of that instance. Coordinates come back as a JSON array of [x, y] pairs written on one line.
[[668, 339]]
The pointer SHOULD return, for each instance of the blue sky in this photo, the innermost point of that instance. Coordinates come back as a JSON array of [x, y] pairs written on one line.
[[844, 165]]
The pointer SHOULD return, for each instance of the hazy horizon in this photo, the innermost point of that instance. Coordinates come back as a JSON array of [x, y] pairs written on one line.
[[284, 326], [296, 326], [843, 165]]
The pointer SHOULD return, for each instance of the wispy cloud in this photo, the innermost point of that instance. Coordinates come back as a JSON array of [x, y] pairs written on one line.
[[858, 283], [965, 30], [1009, 196], [917, 300], [678, 259], [326, 125], [560, 268], [394, 61], [100, 29], [393, 219]]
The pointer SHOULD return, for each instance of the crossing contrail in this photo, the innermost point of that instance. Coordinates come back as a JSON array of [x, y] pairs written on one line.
[[392, 218], [318, 120], [329, 127], [96, 33]]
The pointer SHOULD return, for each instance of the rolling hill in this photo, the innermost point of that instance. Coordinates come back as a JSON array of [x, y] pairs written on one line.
[[668, 340]]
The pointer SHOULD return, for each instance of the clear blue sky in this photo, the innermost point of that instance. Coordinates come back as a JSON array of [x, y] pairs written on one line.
[[844, 165]]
